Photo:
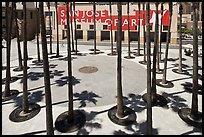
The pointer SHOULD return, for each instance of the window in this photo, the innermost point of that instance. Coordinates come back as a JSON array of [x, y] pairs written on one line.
[[49, 19], [105, 27], [165, 28], [78, 26], [48, 13], [91, 26]]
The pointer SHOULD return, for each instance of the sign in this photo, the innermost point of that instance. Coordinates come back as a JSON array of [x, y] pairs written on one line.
[[102, 16]]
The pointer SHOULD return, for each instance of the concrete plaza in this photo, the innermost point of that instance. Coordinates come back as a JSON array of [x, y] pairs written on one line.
[[95, 93]]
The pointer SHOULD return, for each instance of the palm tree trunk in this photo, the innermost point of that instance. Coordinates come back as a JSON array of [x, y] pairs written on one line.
[[144, 33], [160, 42], [120, 110], [75, 29], [111, 31], [71, 25], [155, 53], [70, 87], [37, 33], [128, 10], [49, 119], [194, 106], [138, 29], [8, 50], [149, 102], [157, 62], [57, 52], [25, 58], [180, 38], [48, 5], [200, 11], [167, 45], [18, 40], [94, 11]]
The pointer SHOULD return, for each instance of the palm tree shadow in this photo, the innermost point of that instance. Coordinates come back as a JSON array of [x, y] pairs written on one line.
[[33, 76], [91, 122], [40, 65], [180, 79], [199, 76], [65, 80], [175, 102], [135, 103], [184, 66], [37, 64], [66, 58], [141, 129], [56, 73], [188, 87], [86, 97], [33, 97], [175, 59]]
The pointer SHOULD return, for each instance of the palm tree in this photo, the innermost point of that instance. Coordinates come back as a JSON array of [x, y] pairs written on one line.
[[120, 109], [144, 33], [158, 70], [155, 53], [155, 98], [179, 70], [70, 86], [27, 110], [94, 14], [25, 58], [8, 93], [193, 116], [48, 99], [160, 42], [94, 11], [70, 120], [149, 102], [117, 113], [75, 30], [138, 52], [111, 31], [37, 34], [57, 24], [180, 38], [50, 26], [71, 25], [163, 82], [57, 52], [128, 10], [20, 67]]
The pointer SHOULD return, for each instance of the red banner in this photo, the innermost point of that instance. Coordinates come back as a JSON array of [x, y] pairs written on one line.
[[102, 16]]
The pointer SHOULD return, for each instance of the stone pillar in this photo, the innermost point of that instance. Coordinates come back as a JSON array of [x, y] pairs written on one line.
[[85, 37], [126, 37], [98, 36], [174, 25]]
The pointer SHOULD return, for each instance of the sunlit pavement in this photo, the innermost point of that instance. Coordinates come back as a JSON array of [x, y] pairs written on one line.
[[95, 93]]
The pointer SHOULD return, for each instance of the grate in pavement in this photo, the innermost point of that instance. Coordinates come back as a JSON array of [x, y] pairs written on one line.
[[88, 69]]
